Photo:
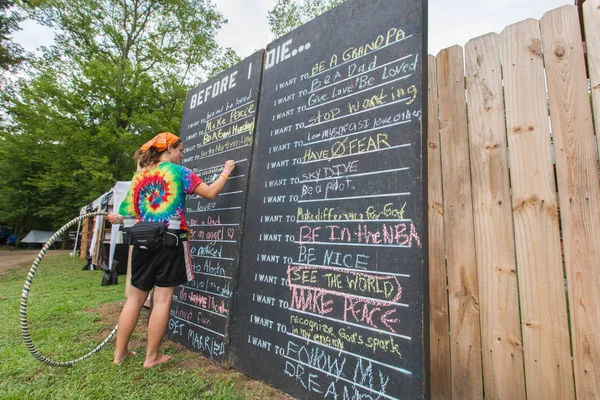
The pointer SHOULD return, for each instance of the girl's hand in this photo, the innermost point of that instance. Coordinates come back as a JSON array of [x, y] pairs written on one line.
[[229, 166], [113, 218]]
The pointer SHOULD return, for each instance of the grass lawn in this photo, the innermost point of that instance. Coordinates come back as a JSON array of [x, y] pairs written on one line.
[[69, 314]]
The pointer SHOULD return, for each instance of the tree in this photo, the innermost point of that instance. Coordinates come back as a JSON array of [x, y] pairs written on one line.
[[10, 52], [17, 205], [117, 74], [290, 14]]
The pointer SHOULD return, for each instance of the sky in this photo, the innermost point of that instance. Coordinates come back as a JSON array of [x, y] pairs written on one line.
[[451, 22]]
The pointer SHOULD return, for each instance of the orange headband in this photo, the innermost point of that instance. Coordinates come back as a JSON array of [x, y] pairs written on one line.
[[161, 142]]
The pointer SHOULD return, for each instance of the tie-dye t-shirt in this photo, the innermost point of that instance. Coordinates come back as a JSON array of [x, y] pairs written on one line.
[[156, 195]]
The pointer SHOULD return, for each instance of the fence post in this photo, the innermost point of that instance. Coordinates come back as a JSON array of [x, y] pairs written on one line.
[[535, 216], [463, 292], [502, 350], [578, 189], [439, 347]]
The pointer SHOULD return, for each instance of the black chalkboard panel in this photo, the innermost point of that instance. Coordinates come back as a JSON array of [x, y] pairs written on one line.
[[332, 278], [218, 124]]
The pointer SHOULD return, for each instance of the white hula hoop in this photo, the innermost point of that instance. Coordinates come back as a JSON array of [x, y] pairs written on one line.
[[25, 297]]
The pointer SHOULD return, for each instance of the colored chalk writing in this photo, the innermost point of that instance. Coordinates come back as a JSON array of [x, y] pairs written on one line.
[[330, 294], [218, 124]]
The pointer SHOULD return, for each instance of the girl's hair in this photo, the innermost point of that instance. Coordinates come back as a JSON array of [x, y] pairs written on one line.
[[150, 156]]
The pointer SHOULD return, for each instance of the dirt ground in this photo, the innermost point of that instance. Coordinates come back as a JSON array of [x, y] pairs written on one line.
[[17, 258]]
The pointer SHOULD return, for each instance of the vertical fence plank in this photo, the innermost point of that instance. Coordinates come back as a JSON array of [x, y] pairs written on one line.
[[458, 227], [535, 216], [502, 350], [591, 18], [441, 384], [578, 188]]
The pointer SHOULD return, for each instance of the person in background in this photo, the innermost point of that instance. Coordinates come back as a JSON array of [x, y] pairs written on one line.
[[157, 193], [12, 241]]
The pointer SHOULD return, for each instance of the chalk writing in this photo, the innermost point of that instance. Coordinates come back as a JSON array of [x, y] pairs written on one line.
[[330, 296], [218, 124]]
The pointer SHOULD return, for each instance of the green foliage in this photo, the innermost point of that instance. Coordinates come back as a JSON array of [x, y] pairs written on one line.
[[290, 14], [224, 61], [65, 323], [10, 52], [17, 205], [117, 74]]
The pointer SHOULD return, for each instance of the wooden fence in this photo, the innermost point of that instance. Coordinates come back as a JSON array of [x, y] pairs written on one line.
[[514, 212]]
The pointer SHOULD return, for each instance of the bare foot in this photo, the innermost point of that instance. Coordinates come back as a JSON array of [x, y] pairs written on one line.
[[121, 358], [159, 360]]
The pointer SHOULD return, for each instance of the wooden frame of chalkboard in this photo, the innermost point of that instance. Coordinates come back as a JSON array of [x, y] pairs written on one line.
[[332, 294], [218, 124]]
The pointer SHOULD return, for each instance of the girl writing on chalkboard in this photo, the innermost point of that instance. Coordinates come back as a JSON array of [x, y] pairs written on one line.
[[157, 194]]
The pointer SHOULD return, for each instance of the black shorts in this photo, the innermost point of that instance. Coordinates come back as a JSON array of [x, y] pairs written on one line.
[[165, 267]]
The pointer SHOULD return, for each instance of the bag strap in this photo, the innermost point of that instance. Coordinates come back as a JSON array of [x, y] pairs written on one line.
[[173, 234]]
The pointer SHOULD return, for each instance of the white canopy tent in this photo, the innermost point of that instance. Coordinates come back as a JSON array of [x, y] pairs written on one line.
[[109, 201], [35, 236]]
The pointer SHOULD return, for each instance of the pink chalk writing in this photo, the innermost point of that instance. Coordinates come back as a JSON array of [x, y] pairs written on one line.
[[359, 282], [207, 302], [375, 313], [391, 234]]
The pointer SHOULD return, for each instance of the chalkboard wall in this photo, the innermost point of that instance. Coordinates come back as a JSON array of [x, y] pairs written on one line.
[[218, 124], [330, 298]]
